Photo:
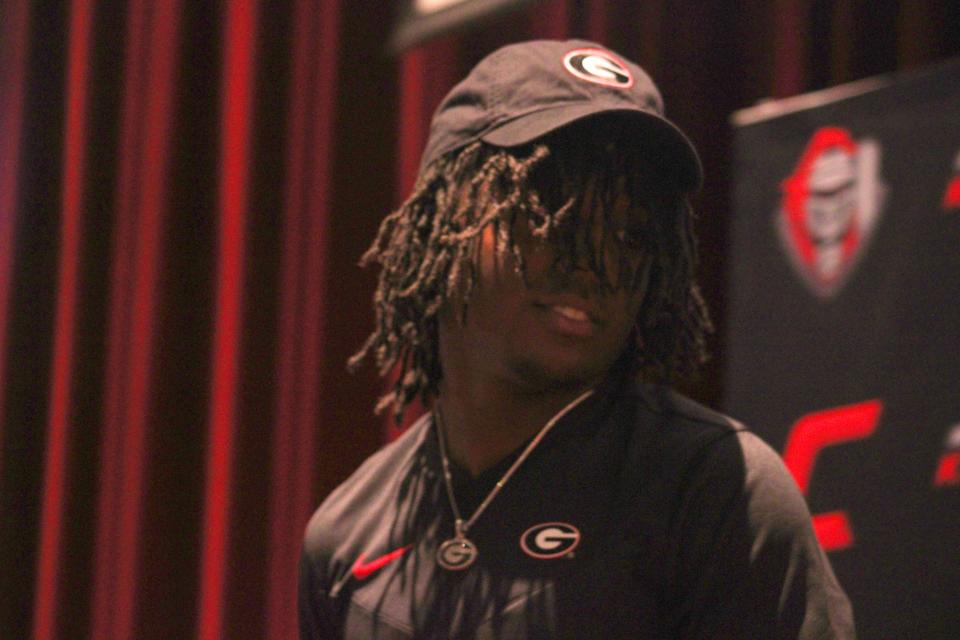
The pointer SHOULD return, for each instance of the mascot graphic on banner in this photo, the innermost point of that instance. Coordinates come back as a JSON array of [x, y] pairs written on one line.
[[830, 206]]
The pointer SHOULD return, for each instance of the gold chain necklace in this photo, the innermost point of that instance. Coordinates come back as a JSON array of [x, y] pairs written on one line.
[[459, 552]]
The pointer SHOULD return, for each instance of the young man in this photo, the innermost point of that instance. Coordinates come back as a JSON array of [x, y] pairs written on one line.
[[537, 290]]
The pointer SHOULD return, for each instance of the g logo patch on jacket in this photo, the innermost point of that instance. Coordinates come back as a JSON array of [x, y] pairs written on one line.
[[550, 540]]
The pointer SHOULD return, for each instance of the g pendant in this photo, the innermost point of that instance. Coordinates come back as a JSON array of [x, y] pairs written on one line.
[[456, 554]]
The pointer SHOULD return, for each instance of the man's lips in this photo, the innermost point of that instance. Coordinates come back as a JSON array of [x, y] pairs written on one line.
[[573, 317], [571, 313], [571, 306]]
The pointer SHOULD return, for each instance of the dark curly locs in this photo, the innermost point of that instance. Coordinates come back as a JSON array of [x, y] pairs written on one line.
[[427, 247]]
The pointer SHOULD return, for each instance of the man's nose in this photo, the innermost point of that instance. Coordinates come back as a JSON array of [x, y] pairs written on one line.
[[576, 274], [583, 281]]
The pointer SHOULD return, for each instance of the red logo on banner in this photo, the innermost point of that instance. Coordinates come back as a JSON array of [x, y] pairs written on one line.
[[951, 197], [830, 206], [811, 434], [948, 468]]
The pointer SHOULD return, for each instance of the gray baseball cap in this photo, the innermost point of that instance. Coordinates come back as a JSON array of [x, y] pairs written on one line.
[[526, 90]]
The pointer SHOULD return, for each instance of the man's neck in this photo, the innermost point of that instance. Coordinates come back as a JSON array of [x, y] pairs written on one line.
[[487, 419]]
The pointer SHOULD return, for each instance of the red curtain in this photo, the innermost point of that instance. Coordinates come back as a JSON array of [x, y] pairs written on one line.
[[185, 189]]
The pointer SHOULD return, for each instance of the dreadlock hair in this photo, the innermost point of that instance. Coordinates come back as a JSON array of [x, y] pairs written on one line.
[[427, 248]]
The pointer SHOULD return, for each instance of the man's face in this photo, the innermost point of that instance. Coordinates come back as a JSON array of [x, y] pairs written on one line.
[[561, 328]]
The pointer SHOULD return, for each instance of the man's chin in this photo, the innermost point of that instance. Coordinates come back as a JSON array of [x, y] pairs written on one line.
[[538, 377]]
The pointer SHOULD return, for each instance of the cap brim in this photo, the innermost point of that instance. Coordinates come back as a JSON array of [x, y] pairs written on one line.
[[660, 134]]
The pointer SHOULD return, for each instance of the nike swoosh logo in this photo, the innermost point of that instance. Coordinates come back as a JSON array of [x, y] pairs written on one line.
[[362, 570]]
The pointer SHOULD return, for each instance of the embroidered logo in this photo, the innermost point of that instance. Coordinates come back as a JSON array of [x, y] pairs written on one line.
[[550, 540], [362, 570], [598, 66], [829, 208]]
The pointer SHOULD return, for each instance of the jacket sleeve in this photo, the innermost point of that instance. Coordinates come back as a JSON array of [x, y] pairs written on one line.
[[750, 563]]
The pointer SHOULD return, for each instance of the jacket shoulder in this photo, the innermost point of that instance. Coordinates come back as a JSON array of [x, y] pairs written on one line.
[[360, 502]]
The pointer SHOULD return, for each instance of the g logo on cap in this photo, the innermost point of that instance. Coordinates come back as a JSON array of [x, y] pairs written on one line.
[[598, 66], [549, 540]]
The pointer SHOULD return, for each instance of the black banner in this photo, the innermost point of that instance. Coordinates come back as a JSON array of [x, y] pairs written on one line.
[[844, 330]]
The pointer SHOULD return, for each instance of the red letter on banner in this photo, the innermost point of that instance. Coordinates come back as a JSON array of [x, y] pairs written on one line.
[[812, 433], [948, 470]]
